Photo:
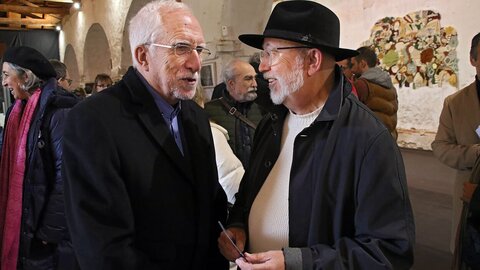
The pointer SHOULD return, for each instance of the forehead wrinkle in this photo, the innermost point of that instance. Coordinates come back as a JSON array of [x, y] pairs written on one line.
[[183, 28]]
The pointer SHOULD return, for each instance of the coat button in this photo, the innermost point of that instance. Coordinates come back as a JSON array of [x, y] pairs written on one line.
[[268, 163], [41, 144]]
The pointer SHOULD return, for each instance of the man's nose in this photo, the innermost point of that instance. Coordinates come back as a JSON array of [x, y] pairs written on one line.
[[264, 66], [194, 61]]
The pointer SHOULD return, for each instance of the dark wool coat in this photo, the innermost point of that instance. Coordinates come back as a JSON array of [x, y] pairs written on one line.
[[132, 200], [348, 198]]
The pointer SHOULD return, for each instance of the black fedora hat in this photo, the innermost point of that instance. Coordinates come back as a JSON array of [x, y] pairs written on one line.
[[305, 22]]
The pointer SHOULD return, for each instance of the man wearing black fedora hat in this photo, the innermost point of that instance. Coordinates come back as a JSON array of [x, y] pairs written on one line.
[[326, 185]]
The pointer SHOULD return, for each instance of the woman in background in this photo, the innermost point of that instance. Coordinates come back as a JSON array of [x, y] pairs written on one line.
[[33, 232]]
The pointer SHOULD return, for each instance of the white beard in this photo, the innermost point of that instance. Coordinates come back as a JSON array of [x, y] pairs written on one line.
[[290, 83]]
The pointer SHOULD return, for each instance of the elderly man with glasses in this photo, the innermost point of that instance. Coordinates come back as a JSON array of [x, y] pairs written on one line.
[[141, 185], [326, 185]]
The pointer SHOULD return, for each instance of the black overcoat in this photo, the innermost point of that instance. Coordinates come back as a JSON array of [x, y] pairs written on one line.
[[133, 201]]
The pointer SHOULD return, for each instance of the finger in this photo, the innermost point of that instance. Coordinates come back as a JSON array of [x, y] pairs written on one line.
[[243, 264], [227, 250]]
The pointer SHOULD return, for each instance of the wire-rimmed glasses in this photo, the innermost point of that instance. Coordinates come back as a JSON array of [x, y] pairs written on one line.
[[182, 49], [272, 56]]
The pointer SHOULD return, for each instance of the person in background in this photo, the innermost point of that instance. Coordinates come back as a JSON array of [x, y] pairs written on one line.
[[141, 185], [346, 66], [375, 88], [33, 229], [102, 81], [326, 185], [237, 110], [63, 77], [230, 169], [457, 143]]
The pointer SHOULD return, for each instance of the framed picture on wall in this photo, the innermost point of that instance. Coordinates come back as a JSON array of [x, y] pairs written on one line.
[[208, 75]]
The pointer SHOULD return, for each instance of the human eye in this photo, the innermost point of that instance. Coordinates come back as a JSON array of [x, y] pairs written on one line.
[[183, 48]]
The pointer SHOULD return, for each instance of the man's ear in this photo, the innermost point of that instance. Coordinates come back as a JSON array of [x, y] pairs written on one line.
[[141, 57], [473, 61], [363, 65], [313, 60], [230, 83]]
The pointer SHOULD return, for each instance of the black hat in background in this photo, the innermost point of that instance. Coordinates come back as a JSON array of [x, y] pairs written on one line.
[[305, 22], [31, 59]]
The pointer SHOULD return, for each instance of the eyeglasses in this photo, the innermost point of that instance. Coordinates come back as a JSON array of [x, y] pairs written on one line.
[[272, 56], [69, 81], [104, 85], [184, 49]]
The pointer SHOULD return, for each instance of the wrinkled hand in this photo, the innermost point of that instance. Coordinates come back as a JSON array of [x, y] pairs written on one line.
[[238, 236], [468, 190], [270, 260]]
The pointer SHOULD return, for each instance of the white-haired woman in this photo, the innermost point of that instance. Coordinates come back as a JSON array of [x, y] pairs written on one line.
[[33, 231]]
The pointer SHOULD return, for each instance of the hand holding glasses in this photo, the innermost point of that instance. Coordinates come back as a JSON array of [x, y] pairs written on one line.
[[231, 241]]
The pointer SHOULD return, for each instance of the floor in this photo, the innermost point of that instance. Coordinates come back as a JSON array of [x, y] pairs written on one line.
[[430, 189]]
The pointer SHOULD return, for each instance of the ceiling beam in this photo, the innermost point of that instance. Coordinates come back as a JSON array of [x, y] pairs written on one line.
[[28, 10], [53, 1], [29, 21], [25, 2]]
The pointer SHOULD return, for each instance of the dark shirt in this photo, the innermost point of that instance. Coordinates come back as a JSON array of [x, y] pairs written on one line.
[[169, 113]]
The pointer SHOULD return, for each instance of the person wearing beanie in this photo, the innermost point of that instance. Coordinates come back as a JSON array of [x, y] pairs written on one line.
[[33, 232], [326, 185]]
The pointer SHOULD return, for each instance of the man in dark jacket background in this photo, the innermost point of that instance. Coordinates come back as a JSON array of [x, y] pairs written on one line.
[[236, 110], [326, 185]]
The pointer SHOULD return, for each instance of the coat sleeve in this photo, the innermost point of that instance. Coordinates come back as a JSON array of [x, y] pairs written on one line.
[[53, 225], [384, 230], [98, 208], [230, 169], [445, 146]]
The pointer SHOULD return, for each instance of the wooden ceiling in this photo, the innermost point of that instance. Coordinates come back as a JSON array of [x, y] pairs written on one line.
[[33, 14]]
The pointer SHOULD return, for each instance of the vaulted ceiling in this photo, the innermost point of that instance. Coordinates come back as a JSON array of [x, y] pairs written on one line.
[[33, 14]]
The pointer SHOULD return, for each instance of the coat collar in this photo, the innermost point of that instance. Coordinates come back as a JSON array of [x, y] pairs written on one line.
[[341, 89], [150, 116]]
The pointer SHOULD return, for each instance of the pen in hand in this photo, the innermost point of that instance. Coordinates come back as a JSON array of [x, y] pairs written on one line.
[[231, 240]]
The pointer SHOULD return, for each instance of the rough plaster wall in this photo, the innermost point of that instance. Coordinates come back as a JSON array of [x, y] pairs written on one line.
[[223, 21], [110, 14], [419, 109]]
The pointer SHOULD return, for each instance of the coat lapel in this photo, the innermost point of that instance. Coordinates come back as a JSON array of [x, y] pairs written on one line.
[[150, 116]]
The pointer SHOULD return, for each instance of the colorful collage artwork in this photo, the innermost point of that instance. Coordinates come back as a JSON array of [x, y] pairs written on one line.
[[416, 50]]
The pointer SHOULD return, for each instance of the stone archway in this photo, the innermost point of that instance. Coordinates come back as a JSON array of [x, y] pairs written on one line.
[[126, 60], [97, 56], [70, 60]]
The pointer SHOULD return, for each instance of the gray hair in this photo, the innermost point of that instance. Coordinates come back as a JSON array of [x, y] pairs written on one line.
[[147, 24], [229, 69], [31, 82]]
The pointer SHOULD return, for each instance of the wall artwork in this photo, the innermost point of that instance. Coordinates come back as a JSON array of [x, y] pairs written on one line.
[[208, 75], [416, 50]]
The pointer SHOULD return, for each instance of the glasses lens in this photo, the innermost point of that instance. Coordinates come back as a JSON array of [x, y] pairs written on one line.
[[181, 49], [269, 57], [203, 52]]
